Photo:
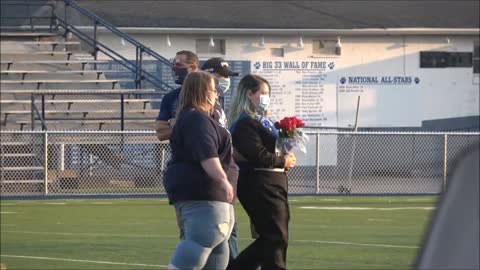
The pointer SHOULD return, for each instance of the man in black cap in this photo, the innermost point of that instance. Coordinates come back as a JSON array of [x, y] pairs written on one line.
[[222, 72]]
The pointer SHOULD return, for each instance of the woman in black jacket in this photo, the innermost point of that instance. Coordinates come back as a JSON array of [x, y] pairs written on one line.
[[262, 184]]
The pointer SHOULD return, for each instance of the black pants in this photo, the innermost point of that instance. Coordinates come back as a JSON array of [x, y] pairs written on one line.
[[263, 195]]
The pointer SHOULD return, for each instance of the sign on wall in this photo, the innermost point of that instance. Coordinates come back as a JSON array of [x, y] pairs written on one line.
[[301, 88], [385, 101]]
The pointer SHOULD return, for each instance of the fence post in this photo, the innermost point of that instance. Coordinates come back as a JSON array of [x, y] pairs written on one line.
[[90, 164], [317, 165], [445, 154], [43, 108], [32, 116], [62, 157], [122, 112], [45, 166]]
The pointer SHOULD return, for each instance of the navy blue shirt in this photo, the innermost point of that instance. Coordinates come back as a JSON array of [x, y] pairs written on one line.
[[197, 137], [169, 105]]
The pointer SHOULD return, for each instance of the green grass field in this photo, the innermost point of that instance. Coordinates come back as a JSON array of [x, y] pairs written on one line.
[[325, 233]]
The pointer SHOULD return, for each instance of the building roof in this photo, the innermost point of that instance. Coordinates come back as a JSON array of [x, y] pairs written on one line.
[[340, 14]]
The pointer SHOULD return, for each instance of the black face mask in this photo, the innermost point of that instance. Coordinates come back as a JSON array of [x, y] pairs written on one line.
[[179, 74]]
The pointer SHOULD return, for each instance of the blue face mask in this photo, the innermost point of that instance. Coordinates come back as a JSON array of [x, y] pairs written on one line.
[[264, 102], [223, 85]]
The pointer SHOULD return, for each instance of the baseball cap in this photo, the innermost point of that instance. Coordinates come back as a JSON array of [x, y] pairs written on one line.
[[218, 65]]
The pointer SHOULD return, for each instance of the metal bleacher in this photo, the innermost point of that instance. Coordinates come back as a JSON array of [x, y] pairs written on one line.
[[71, 89], [52, 78]]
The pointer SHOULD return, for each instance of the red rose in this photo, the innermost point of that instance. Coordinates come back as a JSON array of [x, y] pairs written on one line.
[[283, 123], [298, 121], [277, 125]]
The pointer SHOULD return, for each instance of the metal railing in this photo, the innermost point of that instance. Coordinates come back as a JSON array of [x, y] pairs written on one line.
[[85, 24], [102, 109], [105, 163]]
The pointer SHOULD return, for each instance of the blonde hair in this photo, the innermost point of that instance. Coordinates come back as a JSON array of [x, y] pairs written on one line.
[[194, 93], [240, 101]]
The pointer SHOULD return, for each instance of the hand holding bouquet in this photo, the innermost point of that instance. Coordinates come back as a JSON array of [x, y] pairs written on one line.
[[289, 136]]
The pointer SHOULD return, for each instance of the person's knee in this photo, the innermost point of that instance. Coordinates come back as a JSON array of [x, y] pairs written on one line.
[[190, 255], [202, 248]]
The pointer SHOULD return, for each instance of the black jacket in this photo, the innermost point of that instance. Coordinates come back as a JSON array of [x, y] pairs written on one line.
[[257, 144]]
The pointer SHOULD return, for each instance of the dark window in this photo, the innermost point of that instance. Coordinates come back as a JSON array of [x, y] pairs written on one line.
[[433, 59], [445, 59], [203, 46], [278, 52]]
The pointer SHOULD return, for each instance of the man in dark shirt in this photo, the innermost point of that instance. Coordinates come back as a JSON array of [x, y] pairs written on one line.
[[183, 63]]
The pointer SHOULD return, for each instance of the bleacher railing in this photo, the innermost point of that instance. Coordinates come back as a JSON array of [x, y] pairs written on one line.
[[115, 163], [85, 25]]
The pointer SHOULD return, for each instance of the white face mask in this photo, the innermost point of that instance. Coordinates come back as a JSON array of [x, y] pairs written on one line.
[[211, 100], [264, 102], [223, 85]]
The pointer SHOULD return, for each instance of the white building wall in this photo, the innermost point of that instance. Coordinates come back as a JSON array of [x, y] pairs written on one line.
[[440, 93]]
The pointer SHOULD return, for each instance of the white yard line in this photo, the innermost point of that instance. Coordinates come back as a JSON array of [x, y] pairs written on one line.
[[176, 236], [353, 244], [56, 203], [366, 208], [84, 261], [102, 202], [8, 212], [420, 200], [95, 234]]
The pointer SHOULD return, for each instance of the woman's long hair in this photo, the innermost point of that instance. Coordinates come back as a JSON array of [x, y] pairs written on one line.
[[195, 92], [240, 101]]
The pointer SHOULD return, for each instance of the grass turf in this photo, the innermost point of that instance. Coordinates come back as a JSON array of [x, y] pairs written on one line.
[[142, 233]]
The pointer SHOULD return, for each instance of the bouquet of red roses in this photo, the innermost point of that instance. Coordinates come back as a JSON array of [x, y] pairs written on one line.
[[289, 136]]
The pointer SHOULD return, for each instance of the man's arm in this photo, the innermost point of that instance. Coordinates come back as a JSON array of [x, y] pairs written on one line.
[[165, 121], [163, 130]]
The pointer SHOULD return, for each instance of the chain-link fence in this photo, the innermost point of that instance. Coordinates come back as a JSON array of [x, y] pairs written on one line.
[[133, 162]]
